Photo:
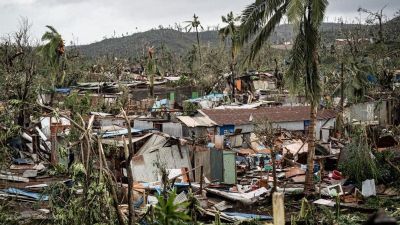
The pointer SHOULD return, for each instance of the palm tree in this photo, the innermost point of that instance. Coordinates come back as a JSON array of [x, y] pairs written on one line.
[[233, 31], [54, 49], [259, 20], [151, 69], [52, 52], [195, 24]]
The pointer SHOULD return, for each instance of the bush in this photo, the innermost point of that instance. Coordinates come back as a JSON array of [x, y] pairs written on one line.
[[359, 164]]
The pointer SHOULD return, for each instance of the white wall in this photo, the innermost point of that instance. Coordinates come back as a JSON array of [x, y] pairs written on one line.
[[297, 125], [246, 128], [325, 132]]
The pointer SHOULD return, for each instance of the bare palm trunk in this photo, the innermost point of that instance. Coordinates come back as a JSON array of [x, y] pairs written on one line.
[[151, 85], [111, 185], [233, 71], [129, 152], [198, 44], [309, 184]]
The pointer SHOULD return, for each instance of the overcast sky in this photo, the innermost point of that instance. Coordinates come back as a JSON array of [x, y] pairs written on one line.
[[87, 21]]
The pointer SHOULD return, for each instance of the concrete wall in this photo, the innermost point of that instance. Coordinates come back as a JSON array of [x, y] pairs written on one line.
[[367, 112], [181, 93], [297, 125], [322, 129]]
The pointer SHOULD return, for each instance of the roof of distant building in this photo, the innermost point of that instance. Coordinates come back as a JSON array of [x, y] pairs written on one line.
[[273, 114]]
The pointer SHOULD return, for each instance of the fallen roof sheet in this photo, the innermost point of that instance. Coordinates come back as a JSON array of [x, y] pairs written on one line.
[[120, 143], [102, 114], [196, 121], [119, 132], [33, 195], [172, 78], [273, 114]]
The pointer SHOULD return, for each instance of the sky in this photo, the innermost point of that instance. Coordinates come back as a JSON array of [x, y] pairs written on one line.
[[87, 21]]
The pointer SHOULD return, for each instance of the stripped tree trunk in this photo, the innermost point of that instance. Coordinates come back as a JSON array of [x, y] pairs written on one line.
[[198, 44], [151, 86], [273, 157], [129, 152], [309, 184], [111, 185]]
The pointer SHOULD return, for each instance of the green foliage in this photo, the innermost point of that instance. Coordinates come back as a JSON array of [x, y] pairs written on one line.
[[311, 215], [168, 213], [328, 217], [92, 207], [359, 163], [53, 52], [190, 107], [375, 202], [306, 214], [78, 104], [217, 220], [7, 215], [387, 174]]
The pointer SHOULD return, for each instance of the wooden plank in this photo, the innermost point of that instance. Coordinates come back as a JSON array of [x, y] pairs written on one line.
[[278, 208], [14, 178]]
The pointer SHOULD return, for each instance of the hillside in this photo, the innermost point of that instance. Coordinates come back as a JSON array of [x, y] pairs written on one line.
[[180, 42], [133, 45]]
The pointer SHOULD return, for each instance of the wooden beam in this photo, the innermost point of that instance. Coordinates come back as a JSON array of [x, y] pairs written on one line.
[[278, 208]]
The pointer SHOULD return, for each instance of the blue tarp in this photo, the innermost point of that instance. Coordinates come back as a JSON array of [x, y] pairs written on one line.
[[159, 104], [33, 195], [159, 189], [372, 78], [20, 161], [63, 90], [226, 129], [248, 216]]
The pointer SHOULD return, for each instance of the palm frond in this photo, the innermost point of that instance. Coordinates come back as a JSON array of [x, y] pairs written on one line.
[[52, 29], [312, 79], [296, 68], [266, 31], [255, 15], [295, 10], [318, 8], [224, 19]]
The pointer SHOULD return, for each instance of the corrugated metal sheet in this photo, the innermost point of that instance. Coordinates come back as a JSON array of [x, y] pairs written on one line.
[[217, 161], [202, 158], [236, 140], [142, 125], [197, 121], [144, 163], [173, 129], [229, 167], [119, 143]]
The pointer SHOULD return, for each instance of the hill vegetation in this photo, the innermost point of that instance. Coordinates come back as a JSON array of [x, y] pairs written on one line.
[[180, 42]]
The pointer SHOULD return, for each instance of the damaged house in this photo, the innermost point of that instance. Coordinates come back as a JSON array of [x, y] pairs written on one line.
[[295, 118], [160, 151]]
